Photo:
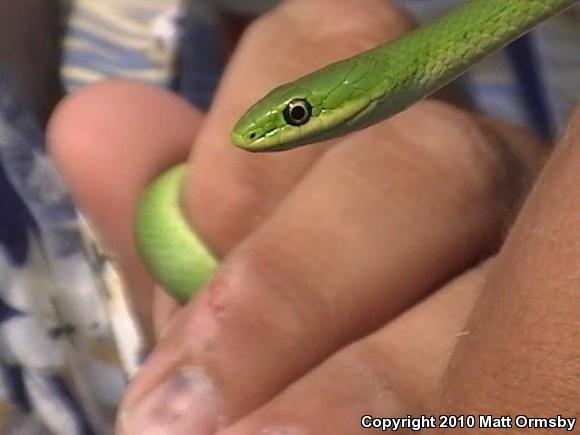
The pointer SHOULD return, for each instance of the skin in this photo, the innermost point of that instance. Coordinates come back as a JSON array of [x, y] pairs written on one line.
[[421, 199], [340, 98]]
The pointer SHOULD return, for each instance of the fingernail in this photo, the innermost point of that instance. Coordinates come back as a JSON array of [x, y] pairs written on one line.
[[186, 403]]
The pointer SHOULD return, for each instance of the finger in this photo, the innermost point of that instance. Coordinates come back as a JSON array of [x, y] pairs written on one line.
[[109, 140], [294, 39], [381, 219], [165, 308], [387, 374], [522, 351]]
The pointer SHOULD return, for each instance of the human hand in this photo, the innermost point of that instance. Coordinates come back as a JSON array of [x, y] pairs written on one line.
[[313, 320]]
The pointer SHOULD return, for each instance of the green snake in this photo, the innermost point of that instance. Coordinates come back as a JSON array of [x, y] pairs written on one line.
[[340, 98]]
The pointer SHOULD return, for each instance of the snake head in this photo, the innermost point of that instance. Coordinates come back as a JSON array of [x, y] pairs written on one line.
[[313, 108]]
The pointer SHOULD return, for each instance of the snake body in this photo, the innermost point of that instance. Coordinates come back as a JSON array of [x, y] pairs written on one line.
[[345, 96]]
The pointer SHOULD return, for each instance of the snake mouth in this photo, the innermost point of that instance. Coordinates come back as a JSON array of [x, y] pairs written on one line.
[[259, 144], [249, 141], [267, 149]]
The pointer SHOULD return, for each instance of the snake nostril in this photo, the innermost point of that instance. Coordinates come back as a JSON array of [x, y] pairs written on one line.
[[252, 135]]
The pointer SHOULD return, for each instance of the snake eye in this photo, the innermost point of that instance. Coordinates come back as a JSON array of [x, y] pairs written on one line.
[[297, 112]]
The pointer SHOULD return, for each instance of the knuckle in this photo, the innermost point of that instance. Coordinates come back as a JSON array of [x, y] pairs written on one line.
[[272, 296], [469, 158], [340, 28], [432, 144], [365, 22]]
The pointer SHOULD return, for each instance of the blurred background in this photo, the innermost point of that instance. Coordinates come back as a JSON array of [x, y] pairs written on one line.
[[68, 342]]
